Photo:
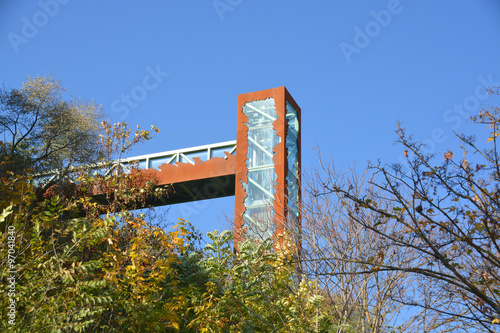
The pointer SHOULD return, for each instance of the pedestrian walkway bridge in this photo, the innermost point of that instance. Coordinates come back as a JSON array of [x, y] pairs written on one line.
[[197, 173], [261, 168]]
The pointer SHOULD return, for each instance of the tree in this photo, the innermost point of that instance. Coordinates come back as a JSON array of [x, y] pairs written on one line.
[[254, 290], [443, 215], [334, 248], [44, 131], [83, 265], [100, 272]]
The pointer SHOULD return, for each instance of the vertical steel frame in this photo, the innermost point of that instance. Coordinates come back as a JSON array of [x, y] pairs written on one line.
[[283, 216]]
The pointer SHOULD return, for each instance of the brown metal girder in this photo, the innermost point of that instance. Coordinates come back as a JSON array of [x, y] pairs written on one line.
[[217, 183], [200, 189], [182, 172], [187, 180], [188, 191]]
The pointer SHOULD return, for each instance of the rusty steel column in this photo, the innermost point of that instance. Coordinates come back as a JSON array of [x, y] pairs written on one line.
[[267, 180]]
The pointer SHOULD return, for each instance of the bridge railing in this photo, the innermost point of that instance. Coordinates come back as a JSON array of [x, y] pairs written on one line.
[[148, 161]]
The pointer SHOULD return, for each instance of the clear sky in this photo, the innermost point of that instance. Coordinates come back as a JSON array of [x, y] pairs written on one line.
[[354, 67]]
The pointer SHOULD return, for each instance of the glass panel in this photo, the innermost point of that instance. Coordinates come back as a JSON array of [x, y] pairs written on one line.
[[262, 138], [200, 154], [125, 166], [101, 171], [259, 222], [219, 152], [260, 188], [260, 113], [260, 146], [293, 192], [293, 157], [293, 165], [293, 120], [159, 161]]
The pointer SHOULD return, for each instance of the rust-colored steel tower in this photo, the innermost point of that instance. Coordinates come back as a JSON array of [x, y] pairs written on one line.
[[267, 182]]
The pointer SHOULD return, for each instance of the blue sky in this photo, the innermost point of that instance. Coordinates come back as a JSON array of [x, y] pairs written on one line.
[[355, 68]]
